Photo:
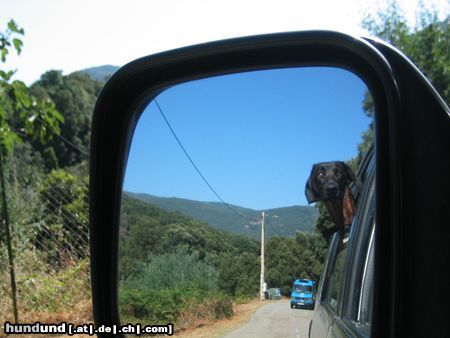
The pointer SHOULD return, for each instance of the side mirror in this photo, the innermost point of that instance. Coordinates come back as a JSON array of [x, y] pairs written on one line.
[[411, 141]]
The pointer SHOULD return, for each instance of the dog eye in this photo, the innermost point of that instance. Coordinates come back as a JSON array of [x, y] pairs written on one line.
[[320, 174]]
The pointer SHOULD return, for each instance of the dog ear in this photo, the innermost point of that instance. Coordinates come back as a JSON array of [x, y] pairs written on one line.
[[348, 206], [351, 177], [311, 193]]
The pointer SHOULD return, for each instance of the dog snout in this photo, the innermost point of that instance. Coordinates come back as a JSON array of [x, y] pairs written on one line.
[[331, 189]]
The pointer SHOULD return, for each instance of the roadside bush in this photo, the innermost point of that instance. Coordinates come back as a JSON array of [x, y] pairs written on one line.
[[182, 307], [156, 306], [176, 287], [239, 276], [45, 294], [171, 270], [44, 290], [223, 307]]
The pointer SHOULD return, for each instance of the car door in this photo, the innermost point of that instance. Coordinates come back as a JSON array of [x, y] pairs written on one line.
[[342, 267], [415, 243], [325, 308], [354, 317]]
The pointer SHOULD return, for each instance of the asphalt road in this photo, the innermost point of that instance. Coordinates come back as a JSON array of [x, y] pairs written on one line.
[[275, 320]]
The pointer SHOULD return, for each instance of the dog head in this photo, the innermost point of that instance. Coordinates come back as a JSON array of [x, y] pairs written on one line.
[[328, 180]]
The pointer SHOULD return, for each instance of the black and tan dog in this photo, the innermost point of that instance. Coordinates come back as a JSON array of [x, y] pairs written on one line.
[[330, 182]]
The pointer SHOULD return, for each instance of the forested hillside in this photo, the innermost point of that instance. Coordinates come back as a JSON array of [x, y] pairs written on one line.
[[74, 96], [147, 230], [280, 221], [169, 258]]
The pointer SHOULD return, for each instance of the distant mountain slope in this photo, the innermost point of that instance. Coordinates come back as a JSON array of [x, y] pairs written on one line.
[[280, 221], [100, 73]]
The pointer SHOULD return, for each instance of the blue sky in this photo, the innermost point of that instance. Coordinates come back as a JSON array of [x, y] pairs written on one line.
[[254, 136]]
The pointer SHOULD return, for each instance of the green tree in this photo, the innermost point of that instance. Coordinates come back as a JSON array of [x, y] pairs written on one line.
[[239, 275], [24, 173], [290, 258], [19, 110], [147, 232], [74, 96], [65, 216], [426, 44]]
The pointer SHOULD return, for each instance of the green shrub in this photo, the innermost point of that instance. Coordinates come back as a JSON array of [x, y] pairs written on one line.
[[41, 289], [173, 270], [169, 305], [223, 307], [156, 306]]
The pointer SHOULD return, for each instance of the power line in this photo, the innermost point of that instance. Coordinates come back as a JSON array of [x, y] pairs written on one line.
[[62, 137], [195, 166]]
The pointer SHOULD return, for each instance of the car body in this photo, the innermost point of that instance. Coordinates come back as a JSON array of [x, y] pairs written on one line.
[[345, 294], [302, 294], [274, 293]]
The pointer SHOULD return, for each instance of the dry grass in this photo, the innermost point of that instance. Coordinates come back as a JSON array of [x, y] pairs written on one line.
[[45, 295], [79, 314], [82, 313], [242, 313]]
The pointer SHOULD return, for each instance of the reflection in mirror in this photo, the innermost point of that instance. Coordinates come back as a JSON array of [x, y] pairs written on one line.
[[213, 162]]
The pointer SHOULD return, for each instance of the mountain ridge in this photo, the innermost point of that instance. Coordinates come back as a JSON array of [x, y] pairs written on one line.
[[284, 221], [100, 73]]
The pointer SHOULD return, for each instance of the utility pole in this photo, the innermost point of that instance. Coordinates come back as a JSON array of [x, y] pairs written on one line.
[[261, 278]]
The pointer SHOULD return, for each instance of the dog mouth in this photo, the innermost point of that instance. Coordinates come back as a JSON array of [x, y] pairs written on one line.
[[332, 192]]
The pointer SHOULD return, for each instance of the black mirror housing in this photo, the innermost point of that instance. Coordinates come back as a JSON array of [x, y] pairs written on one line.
[[405, 104]]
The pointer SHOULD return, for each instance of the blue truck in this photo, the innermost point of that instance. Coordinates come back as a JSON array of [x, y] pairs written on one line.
[[303, 294]]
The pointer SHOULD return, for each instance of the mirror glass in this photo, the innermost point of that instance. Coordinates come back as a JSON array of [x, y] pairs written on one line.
[[212, 163]]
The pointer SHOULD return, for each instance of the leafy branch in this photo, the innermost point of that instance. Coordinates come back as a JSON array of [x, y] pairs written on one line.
[[9, 39], [18, 113]]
